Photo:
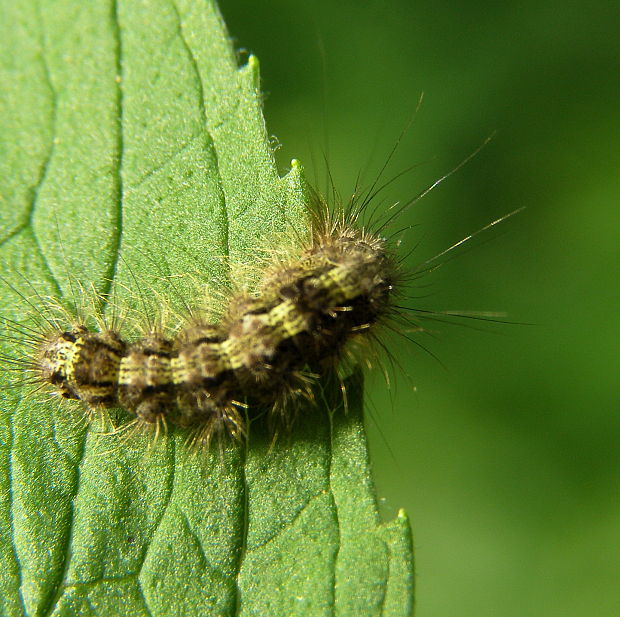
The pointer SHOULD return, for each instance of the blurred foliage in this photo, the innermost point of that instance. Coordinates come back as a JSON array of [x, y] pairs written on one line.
[[508, 460]]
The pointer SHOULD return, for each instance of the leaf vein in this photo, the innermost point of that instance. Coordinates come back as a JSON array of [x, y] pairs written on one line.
[[12, 515], [335, 502], [170, 487], [101, 580], [117, 226], [151, 172], [146, 604], [243, 549], [203, 558], [289, 524], [203, 113], [15, 232], [53, 114], [59, 589]]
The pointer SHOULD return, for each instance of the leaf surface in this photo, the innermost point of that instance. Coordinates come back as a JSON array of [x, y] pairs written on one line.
[[134, 159]]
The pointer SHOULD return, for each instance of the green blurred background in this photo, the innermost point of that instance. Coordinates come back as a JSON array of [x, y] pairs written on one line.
[[507, 458]]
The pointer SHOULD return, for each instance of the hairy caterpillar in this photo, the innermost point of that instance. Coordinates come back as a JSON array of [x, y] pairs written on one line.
[[266, 350]]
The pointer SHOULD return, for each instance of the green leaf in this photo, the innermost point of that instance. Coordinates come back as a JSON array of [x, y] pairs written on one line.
[[132, 150]]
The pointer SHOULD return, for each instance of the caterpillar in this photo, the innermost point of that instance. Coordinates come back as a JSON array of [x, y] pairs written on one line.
[[267, 350]]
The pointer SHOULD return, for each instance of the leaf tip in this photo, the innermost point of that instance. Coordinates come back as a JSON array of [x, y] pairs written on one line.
[[253, 66]]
